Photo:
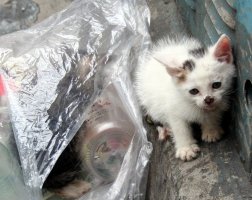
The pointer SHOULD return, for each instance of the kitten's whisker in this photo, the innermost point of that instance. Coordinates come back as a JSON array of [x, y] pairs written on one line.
[[161, 62], [230, 92]]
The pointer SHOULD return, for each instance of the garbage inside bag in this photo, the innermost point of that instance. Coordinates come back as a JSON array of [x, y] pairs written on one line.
[[68, 82], [96, 153]]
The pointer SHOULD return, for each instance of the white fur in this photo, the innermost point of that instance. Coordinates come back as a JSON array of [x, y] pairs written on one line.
[[168, 101]]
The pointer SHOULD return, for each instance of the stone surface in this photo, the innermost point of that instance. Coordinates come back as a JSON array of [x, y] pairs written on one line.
[[217, 173], [17, 14], [21, 14], [165, 19]]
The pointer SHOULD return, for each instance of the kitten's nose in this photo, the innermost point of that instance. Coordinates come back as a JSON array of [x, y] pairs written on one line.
[[209, 100]]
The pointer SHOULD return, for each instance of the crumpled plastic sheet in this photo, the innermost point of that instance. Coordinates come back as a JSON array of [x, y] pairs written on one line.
[[56, 69]]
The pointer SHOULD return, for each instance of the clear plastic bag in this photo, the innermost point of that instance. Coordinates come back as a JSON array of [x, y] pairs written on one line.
[[11, 181], [56, 70]]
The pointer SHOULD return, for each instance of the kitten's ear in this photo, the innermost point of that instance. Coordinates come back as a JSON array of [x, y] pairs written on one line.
[[174, 72], [223, 49]]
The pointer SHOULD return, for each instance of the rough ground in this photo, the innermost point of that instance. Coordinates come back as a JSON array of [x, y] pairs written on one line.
[[217, 174]]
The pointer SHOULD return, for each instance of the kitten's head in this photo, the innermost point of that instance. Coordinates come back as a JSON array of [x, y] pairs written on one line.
[[205, 76]]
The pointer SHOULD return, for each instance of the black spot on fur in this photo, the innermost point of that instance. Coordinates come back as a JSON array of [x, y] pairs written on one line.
[[198, 53], [189, 65]]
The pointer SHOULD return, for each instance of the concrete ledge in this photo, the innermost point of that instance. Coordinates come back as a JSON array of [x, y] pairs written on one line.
[[217, 174]]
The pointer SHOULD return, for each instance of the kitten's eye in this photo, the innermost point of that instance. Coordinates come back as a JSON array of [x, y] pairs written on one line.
[[216, 85], [194, 91]]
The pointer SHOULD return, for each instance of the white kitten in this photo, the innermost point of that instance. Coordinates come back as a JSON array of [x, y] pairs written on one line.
[[181, 82]]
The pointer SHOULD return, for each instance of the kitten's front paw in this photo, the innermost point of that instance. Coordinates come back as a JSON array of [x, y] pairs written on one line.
[[187, 153], [163, 133], [212, 135]]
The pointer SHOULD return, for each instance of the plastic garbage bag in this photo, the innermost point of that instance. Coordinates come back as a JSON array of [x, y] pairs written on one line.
[[11, 180], [57, 71]]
